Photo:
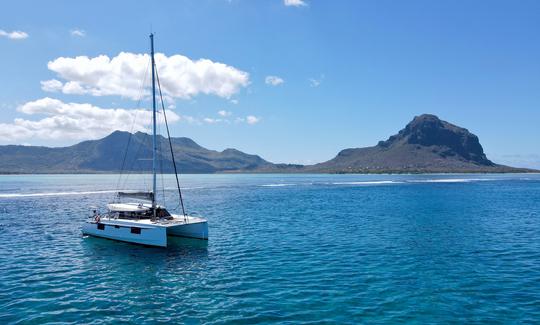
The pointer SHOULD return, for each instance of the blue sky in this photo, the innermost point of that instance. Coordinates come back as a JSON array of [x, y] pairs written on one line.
[[352, 72]]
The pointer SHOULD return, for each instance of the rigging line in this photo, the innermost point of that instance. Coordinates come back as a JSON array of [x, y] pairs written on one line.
[[162, 161], [161, 165], [132, 166], [135, 167], [131, 129], [170, 145], [134, 162], [141, 95]]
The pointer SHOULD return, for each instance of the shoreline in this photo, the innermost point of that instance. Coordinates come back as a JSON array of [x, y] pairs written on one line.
[[532, 172]]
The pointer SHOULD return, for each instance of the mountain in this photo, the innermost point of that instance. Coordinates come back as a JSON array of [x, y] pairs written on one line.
[[107, 155], [426, 145]]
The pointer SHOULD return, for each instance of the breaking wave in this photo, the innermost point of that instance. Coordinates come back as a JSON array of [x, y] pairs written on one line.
[[450, 180], [367, 183], [14, 195], [277, 185]]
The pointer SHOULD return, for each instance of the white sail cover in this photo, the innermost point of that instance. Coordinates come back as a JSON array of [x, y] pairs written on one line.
[[128, 207]]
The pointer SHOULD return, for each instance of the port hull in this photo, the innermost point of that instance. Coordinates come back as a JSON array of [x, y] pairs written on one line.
[[147, 232], [151, 236]]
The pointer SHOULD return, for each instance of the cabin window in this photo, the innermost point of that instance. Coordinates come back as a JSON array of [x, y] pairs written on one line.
[[136, 230], [100, 226]]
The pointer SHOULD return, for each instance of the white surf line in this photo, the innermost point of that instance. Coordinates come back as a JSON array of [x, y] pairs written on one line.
[[450, 180], [439, 181], [12, 195], [184, 188], [367, 183], [277, 185]]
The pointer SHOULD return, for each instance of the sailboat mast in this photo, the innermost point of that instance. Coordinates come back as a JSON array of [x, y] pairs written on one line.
[[154, 145]]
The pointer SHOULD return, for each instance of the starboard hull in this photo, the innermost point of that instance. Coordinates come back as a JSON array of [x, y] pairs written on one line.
[[193, 228]]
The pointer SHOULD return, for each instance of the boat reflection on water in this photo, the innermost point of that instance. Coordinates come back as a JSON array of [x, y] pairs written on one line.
[[183, 242], [180, 251]]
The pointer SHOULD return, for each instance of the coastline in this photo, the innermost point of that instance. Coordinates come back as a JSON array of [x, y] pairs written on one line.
[[526, 171]]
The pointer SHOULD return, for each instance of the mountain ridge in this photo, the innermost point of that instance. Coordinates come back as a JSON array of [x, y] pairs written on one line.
[[427, 144], [107, 155]]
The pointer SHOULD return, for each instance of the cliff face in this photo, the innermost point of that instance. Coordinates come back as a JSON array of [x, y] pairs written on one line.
[[447, 139], [426, 144]]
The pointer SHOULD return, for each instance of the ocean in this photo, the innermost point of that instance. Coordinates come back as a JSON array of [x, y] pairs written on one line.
[[282, 249]]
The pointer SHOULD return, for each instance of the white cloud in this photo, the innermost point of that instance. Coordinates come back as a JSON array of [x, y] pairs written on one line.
[[15, 35], [73, 88], [189, 119], [250, 119], [224, 113], [74, 121], [52, 85], [294, 3], [122, 75], [316, 82], [210, 120], [234, 101], [273, 80], [77, 32]]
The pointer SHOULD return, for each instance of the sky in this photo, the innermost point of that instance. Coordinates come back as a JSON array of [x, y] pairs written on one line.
[[292, 81]]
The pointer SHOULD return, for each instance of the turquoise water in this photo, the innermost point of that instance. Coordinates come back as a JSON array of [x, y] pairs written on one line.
[[282, 248]]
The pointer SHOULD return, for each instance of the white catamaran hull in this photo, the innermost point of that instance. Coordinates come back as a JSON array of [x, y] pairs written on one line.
[[146, 232], [193, 227], [152, 236]]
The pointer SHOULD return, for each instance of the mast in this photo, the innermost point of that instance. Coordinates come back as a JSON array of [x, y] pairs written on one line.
[[154, 145]]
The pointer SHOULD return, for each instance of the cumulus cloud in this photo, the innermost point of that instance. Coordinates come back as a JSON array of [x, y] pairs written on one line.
[[77, 32], [14, 35], [224, 113], [75, 121], [273, 80], [250, 119], [52, 85], [121, 75], [294, 3]]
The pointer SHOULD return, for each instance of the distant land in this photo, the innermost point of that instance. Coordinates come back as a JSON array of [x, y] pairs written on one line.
[[426, 145]]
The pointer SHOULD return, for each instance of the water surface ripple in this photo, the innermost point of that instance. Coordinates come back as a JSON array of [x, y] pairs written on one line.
[[283, 249]]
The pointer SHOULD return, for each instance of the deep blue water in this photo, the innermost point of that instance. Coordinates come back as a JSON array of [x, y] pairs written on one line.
[[282, 248]]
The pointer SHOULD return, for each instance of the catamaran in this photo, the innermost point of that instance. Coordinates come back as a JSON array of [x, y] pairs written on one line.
[[136, 217]]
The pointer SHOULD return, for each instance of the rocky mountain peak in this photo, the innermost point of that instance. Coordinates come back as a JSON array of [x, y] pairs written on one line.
[[441, 137]]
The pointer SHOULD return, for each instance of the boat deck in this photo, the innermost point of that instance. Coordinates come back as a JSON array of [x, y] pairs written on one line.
[[176, 221]]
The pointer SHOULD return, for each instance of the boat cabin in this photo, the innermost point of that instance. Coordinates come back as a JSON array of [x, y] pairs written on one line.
[[136, 211]]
